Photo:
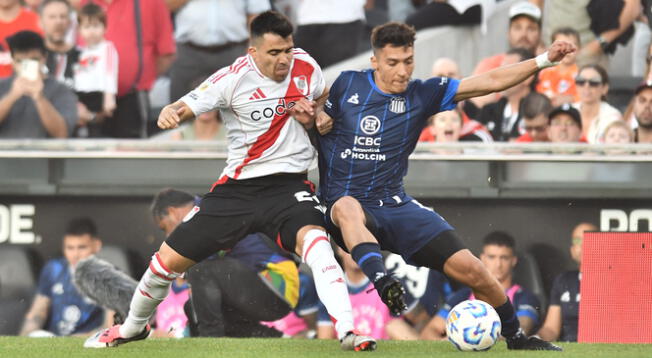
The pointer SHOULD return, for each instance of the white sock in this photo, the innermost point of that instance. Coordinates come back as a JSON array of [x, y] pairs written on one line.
[[152, 289], [329, 280]]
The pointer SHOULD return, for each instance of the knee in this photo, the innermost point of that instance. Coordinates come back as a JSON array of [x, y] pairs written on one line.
[[347, 211]]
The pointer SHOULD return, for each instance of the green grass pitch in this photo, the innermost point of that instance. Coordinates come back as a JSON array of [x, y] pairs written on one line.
[[19, 347]]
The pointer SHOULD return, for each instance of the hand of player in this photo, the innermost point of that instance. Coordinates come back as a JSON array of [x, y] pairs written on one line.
[[170, 117], [559, 49], [324, 123], [303, 111]]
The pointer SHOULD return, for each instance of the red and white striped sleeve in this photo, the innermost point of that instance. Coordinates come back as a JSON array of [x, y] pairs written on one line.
[[111, 74]]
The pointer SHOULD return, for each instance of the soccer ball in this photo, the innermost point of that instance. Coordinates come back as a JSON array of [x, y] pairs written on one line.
[[473, 326]]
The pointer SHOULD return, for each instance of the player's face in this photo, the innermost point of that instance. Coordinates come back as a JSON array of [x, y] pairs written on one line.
[[643, 108], [447, 126], [499, 260], [563, 129], [273, 55], [524, 32], [394, 67], [55, 20], [78, 247]]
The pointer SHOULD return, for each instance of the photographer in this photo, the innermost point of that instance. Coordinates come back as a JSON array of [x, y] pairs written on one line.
[[31, 104]]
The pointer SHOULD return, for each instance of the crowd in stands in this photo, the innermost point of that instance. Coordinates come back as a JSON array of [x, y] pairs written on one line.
[[109, 55]]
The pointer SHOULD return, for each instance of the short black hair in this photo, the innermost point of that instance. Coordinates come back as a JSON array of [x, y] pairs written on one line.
[[167, 198], [499, 238], [270, 22], [395, 34], [524, 53], [25, 41], [48, 2], [81, 226], [535, 104], [92, 11], [567, 31]]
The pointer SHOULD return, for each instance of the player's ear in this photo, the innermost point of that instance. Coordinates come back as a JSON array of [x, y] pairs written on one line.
[[374, 62], [251, 50]]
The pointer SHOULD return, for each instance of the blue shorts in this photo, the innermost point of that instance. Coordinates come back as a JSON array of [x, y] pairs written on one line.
[[402, 226]]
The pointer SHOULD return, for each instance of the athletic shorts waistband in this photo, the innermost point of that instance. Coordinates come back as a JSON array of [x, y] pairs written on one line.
[[270, 179]]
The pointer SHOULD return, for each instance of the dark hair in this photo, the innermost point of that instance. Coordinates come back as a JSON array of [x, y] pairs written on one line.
[[603, 73], [48, 2], [81, 226], [92, 11], [568, 31], [270, 22], [394, 34], [24, 41], [167, 198], [499, 238], [535, 104], [524, 53]]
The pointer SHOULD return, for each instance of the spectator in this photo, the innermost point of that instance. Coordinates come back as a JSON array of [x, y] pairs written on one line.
[[203, 45], [502, 118], [58, 308], [593, 84], [13, 18], [330, 31], [535, 118], [524, 32], [618, 132], [139, 65], [499, 255], [33, 105], [370, 315], [231, 294], [443, 127], [563, 311], [446, 67], [602, 24], [33, 5], [564, 125], [450, 12], [558, 82], [61, 55], [96, 74], [642, 110], [206, 126]]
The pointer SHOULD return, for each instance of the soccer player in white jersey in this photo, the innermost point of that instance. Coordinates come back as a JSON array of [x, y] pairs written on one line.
[[265, 99]]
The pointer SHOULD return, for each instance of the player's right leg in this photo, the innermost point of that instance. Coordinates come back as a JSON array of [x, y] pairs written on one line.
[[352, 220], [152, 289]]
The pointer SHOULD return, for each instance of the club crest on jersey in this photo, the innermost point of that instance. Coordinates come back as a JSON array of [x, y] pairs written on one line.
[[370, 125], [302, 84], [397, 105]]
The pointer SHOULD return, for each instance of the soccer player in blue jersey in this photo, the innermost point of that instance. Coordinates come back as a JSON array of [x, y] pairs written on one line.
[[377, 116]]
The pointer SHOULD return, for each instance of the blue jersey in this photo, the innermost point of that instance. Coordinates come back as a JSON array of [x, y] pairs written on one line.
[[366, 153], [70, 313]]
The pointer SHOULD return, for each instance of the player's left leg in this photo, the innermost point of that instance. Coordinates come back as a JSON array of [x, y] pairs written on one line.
[[354, 223], [447, 253]]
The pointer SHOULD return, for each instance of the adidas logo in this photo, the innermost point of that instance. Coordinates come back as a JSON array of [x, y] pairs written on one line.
[[258, 94]]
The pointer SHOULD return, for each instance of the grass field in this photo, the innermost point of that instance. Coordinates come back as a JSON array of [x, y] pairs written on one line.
[[19, 347]]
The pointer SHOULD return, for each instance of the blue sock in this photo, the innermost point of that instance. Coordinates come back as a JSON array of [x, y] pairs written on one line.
[[508, 320], [367, 255]]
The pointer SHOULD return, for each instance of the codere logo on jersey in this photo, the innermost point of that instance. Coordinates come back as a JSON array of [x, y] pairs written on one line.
[[269, 112], [366, 148]]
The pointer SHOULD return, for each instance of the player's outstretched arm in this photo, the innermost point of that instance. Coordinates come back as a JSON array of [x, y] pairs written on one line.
[[507, 76], [173, 114]]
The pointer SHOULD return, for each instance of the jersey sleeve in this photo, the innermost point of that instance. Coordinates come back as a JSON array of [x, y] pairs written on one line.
[[526, 305], [111, 77], [210, 94], [46, 279], [438, 93], [556, 291], [338, 90]]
